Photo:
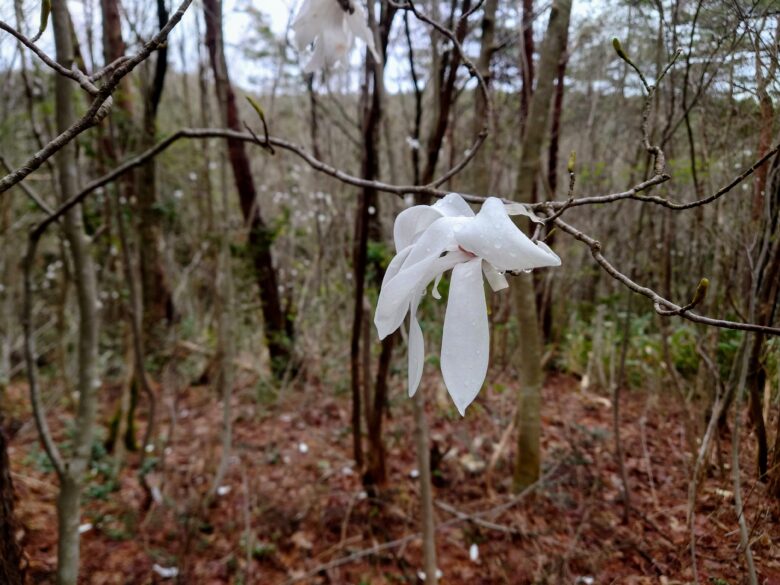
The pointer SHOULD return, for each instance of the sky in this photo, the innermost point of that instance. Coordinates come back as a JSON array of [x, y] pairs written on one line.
[[245, 72]]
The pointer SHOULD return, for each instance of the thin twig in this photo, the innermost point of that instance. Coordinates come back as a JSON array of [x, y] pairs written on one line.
[[659, 302], [74, 74]]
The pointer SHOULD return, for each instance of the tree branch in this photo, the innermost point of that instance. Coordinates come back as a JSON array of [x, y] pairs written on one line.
[[662, 305], [100, 106]]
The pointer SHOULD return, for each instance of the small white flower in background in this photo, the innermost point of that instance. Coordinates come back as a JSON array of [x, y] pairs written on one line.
[[421, 574], [303, 448], [430, 240], [474, 553], [165, 572], [223, 490], [333, 29], [85, 528]]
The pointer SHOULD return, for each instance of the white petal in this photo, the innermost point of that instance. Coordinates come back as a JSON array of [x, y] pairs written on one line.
[[496, 280], [336, 43], [453, 205], [305, 25], [411, 222], [395, 264], [520, 209], [396, 293], [493, 236], [416, 348], [438, 238], [435, 289], [322, 22], [465, 342], [359, 27], [316, 60]]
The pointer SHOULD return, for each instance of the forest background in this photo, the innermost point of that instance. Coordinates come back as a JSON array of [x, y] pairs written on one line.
[[191, 388]]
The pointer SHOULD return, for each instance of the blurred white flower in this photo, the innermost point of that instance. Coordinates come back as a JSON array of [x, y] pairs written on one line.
[[430, 240], [421, 574], [165, 572], [474, 553], [333, 29]]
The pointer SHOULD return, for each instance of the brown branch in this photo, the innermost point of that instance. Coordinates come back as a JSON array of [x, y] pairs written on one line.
[[75, 74], [473, 72], [661, 304], [31, 193], [100, 106]]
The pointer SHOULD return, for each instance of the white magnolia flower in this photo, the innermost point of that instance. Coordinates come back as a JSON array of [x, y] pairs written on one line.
[[332, 29], [430, 240]]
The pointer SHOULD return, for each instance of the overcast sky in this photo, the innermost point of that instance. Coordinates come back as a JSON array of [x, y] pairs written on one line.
[[183, 42]]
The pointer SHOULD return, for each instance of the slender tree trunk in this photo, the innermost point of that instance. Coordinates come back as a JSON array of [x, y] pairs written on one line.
[[226, 336], [157, 301], [69, 501], [446, 75], [544, 293], [8, 278], [480, 166], [115, 145], [278, 324], [10, 552], [426, 487], [527, 61], [527, 463], [367, 227]]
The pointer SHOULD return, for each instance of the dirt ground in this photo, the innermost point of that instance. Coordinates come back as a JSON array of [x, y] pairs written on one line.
[[292, 508]]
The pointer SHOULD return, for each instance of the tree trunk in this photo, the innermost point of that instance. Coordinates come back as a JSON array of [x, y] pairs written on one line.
[[10, 552], [367, 227], [157, 301], [278, 323], [527, 61], [446, 76], [527, 463], [480, 166], [426, 487], [544, 293], [69, 501]]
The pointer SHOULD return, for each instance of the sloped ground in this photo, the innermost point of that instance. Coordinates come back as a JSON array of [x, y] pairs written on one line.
[[291, 506]]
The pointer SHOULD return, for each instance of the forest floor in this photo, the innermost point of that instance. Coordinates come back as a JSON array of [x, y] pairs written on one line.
[[292, 508]]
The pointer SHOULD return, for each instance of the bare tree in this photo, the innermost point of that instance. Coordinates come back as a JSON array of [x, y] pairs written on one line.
[[277, 322], [72, 472], [529, 354]]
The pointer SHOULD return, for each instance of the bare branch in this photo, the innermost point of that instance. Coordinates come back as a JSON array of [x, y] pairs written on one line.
[[74, 74], [473, 71], [662, 305], [100, 106], [31, 194]]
